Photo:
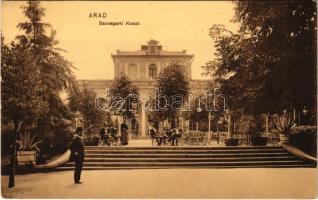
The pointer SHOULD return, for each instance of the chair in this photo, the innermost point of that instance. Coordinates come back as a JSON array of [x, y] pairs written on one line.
[[194, 138], [204, 138], [154, 137], [222, 138], [115, 140], [243, 140], [185, 138]]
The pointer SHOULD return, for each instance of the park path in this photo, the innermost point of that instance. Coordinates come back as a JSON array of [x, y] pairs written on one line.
[[168, 183]]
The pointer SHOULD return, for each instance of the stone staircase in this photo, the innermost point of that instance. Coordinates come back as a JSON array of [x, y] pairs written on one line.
[[186, 157]]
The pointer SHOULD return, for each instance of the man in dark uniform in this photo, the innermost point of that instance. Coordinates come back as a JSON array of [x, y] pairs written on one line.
[[77, 149]]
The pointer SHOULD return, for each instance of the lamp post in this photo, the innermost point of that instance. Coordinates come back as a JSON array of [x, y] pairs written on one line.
[[219, 122], [13, 146], [229, 121], [199, 109], [305, 112], [266, 123]]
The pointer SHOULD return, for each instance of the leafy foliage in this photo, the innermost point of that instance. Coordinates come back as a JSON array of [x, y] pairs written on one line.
[[82, 99], [284, 123], [172, 82], [28, 143], [269, 65], [123, 93], [19, 85], [34, 74], [55, 72]]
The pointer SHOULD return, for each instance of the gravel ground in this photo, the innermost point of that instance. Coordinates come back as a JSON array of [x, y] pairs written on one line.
[[168, 183]]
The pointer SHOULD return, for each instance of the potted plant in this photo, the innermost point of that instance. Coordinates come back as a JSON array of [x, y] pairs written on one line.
[[284, 124], [258, 140], [249, 128], [255, 130], [27, 149], [231, 142]]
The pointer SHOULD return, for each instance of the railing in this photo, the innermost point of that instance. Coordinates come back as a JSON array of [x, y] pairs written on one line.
[[205, 138], [196, 138]]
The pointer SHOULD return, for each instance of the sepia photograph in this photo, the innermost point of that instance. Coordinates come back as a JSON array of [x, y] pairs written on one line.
[[159, 99]]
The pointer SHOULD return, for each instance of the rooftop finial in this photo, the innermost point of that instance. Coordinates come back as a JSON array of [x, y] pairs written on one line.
[[153, 42]]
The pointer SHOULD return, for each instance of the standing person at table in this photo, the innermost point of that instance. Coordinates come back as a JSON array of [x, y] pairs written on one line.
[[124, 133], [78, 153]]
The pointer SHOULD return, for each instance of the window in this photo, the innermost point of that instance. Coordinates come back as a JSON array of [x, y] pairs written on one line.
[[152, 71], [132, 72]]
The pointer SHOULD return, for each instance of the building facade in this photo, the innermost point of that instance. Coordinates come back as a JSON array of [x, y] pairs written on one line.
[[143, 67]]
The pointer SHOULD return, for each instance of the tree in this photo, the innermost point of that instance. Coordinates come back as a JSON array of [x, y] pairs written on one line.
[[173, 87], [34, 74], [54, 70], [20, 100], [123, 94], [269, 65], [83, 100]]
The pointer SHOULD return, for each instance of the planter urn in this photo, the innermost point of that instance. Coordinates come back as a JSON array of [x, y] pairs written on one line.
[[284, 139], [259, 141], [26, 157]]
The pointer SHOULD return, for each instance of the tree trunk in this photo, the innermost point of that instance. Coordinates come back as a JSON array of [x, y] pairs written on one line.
[[13, 156]]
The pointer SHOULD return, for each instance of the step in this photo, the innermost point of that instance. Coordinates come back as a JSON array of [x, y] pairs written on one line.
[[183, 155], [191, 167], [187, 159], [177, 152], [180, 151], [179, 147], [218, 163]]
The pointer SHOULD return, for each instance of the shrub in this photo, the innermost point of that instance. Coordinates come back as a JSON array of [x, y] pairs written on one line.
[[6, 141], [91, 140], [247, 125], [305, 139]]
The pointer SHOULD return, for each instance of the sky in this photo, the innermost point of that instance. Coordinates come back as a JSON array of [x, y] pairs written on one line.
[[176, 25]]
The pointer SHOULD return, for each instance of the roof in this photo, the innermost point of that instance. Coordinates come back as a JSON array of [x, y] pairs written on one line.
[[144, 53], [156, 51]]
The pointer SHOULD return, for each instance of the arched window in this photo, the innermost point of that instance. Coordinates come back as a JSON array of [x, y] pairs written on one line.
[[152, 71]]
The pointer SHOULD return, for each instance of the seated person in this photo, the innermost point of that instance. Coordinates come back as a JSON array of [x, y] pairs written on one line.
[[176, 134], [154, 134], [105, 133], [167, 135]]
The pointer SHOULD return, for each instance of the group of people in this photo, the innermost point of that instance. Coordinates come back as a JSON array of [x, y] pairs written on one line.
[[170, 135], [108, 133]]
